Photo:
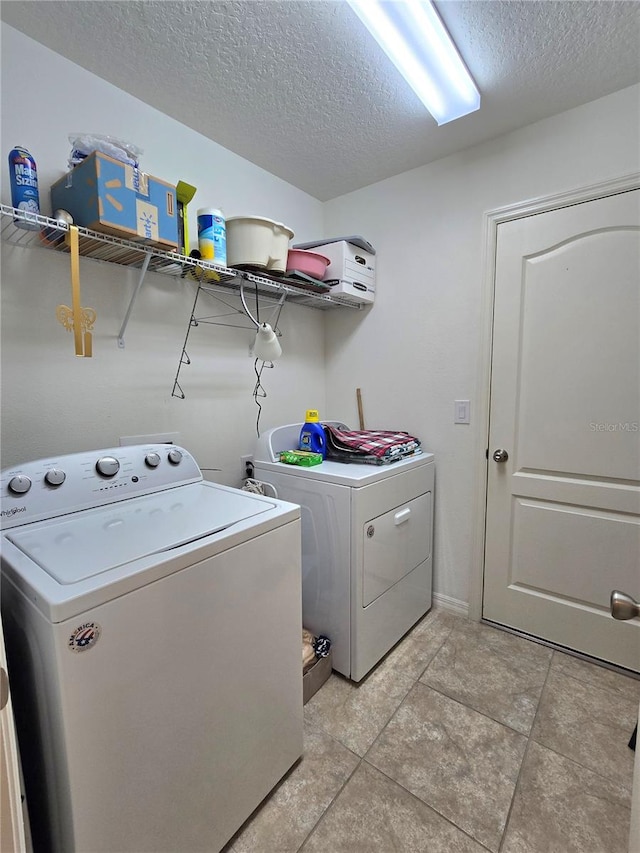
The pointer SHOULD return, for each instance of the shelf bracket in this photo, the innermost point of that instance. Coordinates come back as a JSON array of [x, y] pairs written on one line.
[[134, 296], [273, 310], [216, 320]]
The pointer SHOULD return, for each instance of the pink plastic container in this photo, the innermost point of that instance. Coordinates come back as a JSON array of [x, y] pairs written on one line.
[[310, 263]]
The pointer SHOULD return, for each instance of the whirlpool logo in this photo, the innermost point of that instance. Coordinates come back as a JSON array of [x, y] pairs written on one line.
[[7, 513]]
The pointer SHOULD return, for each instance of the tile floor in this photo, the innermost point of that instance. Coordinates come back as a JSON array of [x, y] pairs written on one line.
[[464, 738]]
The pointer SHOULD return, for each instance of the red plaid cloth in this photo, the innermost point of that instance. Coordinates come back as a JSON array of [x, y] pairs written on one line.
[[379, 443]]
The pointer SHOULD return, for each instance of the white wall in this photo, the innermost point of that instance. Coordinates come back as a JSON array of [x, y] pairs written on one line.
[[53, 402], [418, 349]]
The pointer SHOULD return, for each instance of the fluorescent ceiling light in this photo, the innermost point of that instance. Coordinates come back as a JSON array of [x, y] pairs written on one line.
[[416, 41]]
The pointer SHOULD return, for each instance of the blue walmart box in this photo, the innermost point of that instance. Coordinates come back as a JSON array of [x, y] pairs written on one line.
[[110, 197]]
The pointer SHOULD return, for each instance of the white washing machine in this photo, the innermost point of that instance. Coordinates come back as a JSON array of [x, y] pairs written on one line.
[[153, 625], [367, 534]]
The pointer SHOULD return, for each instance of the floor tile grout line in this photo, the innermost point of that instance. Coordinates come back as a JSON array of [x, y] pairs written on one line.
[[383, 729], [607, 779], [600, 775], [334, 798], [428, 805], [395, 710], [524, 757], [468, 707], [553, 669], [610, 690], [564, 757], [312, 727], [416, 637], [384, 725], [482, 713], [433, 808], [435, 655], [462, 702], [564, 650], [550, 667], [362, 757], [415, 681]]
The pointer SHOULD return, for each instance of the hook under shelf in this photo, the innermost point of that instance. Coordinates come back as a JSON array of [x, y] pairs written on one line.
[[217, 320]]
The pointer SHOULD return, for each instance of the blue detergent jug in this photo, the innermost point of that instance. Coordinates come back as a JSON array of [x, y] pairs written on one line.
[[312, 435]]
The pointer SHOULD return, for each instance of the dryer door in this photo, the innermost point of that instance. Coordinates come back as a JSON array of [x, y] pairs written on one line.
[[394, 544]]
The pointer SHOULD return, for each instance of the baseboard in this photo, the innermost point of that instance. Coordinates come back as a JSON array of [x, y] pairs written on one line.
[[454, 605]]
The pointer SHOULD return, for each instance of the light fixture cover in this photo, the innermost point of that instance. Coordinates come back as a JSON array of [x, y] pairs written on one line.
[[266, 346], [414, 38]]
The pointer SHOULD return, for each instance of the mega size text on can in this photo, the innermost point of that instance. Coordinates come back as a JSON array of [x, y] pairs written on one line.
[[23, 176]]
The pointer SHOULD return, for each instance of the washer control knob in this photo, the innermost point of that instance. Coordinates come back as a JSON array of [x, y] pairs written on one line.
[[175, 456], [108, 466], [55, 477], [19, 484], [152, 459]]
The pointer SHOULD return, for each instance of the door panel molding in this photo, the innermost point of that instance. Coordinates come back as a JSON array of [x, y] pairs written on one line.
[[491, 220]]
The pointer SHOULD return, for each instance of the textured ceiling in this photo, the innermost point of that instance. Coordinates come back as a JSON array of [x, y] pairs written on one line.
[[302, 90]]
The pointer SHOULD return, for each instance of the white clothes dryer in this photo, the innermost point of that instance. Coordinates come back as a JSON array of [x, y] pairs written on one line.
[[367, 536], [153, 630]]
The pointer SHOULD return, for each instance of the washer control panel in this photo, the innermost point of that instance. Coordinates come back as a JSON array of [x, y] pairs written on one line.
[[47, 488], [55, 477], [108, 466]]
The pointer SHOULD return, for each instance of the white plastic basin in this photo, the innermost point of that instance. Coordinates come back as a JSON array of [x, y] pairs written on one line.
[[258, 242]]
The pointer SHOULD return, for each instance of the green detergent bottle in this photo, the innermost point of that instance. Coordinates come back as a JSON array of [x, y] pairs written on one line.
[[312, 437]]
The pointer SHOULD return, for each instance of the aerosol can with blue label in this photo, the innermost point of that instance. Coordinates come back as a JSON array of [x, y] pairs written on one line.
[[23, 176]]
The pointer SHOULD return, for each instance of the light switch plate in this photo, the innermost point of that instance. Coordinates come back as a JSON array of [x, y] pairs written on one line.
[[462, 413]]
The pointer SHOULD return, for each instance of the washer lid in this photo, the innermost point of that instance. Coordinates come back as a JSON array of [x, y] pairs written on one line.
[[84, 544]]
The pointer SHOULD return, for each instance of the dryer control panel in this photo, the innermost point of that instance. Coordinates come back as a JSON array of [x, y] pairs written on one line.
[[59, 485]]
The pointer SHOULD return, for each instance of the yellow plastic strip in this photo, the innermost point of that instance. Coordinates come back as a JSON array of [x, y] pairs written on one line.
[[74, 245]]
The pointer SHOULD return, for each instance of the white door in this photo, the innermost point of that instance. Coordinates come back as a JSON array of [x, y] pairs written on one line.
[[563, 510]]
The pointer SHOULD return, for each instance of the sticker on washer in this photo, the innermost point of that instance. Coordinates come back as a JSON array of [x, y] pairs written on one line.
[[84, 637]]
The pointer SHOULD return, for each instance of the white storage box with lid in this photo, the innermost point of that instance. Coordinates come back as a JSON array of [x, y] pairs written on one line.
[[257, 242], [352, 269]]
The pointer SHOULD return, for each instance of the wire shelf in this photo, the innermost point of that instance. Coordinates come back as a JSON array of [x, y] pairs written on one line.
[[30, 231]]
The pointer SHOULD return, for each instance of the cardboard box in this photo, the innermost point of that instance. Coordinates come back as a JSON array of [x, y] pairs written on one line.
[[351, 272], [108, 196], [352, 291], [315, 677]]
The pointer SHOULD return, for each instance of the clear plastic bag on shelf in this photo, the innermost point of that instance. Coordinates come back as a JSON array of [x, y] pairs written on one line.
[[83, 144]]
